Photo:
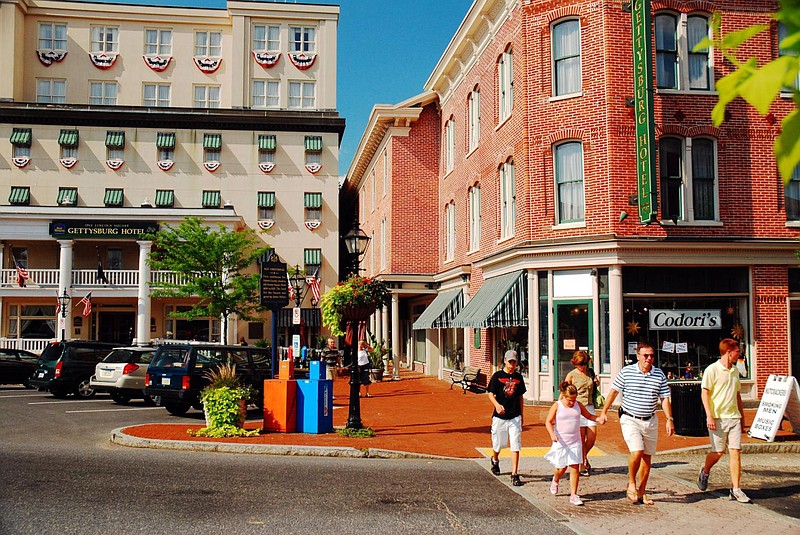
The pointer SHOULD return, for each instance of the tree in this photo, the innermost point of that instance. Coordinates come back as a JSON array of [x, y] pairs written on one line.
[[212, 264], [759, 85]]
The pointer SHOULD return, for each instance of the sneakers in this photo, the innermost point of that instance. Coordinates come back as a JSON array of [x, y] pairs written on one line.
[[739, 496], [575, 500], [702, 480], [515, 480], [495, 467], [554, 487]]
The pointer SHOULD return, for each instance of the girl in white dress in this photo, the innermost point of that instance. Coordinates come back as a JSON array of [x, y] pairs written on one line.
[[564, 426]]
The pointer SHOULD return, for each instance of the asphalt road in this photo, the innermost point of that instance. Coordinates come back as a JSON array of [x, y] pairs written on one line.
[[61, 475]]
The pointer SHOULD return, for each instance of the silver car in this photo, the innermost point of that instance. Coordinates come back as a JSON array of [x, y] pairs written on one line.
[[121, 374]]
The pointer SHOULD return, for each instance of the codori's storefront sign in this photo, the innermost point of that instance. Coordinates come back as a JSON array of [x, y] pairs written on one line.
[[661, 319], [131, 230]]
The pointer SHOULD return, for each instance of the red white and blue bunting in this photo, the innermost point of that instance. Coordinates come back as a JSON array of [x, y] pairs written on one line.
[[211, 166], [157, 63], [21, 161], [266, 167], [165, 165], [313, 168], [207, 65], [48, 57], [266, 59], [265, 224], [114, 164], [313, 225], [301, 60], [102, 60], [69, 163]]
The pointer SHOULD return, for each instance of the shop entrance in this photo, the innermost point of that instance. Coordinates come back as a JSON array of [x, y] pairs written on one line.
[[117, 327], [573, 321]]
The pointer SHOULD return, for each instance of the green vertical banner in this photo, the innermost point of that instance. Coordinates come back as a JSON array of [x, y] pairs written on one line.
[[645, 116]]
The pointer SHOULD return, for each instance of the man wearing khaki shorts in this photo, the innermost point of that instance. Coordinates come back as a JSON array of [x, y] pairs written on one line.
[[722, 400]]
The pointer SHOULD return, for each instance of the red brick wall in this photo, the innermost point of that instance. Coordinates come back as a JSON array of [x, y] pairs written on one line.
[[770, 290]]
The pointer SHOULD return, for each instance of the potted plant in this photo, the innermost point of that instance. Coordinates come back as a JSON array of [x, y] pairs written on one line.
[[354, 299], [376, 357], [224, 404]]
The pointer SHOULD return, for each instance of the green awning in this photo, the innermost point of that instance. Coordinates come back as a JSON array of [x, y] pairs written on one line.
[[312, 257], [21, 136], [115, 139], [212, 141], [67, 196], [165, 198], [113, 197], [313, 200], [266, 199], [267, 142], [211, 199], [314, 143], [19, 195], [441, 311], [501, 302], [68, 138], [165, 140]]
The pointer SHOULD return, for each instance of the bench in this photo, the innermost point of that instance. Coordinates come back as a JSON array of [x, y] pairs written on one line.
[[466, 378]]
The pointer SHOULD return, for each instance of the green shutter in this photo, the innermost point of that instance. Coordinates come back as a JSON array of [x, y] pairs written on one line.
[[312, 257], [212, 141], [211, 199], [115, 139], [165, 140], [313, 200], [21, 136], [267, 142], [20, 195], [68, 138], [266, 199], [314, 143], [67, 196], [165, 198], [113, 197]]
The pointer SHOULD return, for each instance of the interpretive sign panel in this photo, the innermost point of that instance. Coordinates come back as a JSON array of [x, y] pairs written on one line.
[[781, 397], [274, 288]]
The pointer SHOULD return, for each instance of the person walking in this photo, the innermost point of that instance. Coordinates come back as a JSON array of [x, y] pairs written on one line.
[[505, 391], [563, 423], [363, 366], [332, 361], [642, 385], [722, 400], [586, 382]]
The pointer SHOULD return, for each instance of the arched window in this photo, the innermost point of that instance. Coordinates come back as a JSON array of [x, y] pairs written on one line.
[[566, 54], [569, 182]]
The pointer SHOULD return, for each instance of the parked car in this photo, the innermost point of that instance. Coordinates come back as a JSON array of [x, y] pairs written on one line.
[[66, 367], [177, 372], [16, 366], [122, 372]]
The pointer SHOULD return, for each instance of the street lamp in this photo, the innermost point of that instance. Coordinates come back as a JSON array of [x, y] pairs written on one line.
[[298, 281], [63, 301], [356, 242]]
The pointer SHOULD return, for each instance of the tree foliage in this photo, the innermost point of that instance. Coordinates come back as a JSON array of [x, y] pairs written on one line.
[[213, 265]]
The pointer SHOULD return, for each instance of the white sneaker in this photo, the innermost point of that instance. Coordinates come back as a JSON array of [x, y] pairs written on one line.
[[739, 496], [575, 500], [553, 487]]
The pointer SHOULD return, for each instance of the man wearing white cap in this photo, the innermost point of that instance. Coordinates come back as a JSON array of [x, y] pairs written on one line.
[[505, 389]]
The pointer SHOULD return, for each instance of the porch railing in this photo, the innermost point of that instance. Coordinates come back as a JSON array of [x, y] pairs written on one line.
[[35, 345], [86, 278]]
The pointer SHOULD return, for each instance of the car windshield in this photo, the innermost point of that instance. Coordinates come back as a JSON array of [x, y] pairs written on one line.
[[52, 352], [124, 356], [170, 358]]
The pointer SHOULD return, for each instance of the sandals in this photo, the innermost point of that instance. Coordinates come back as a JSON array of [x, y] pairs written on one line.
[[646, 501], [632, 495]]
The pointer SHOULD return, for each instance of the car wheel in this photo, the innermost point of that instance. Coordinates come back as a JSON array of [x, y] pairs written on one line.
[[84, 390], [177, 409], [60, 393], [120, 398]]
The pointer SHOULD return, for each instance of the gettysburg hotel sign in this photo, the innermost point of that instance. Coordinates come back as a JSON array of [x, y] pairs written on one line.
[[661, 319], [126, 230]]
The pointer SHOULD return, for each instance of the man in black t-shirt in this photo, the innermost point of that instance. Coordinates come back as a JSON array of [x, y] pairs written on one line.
[[505, 390]]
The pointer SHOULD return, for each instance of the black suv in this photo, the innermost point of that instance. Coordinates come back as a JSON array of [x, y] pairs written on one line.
[[177, 372], [66, 367]]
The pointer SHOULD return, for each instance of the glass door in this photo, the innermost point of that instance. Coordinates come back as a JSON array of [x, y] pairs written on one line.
[[573, 324]]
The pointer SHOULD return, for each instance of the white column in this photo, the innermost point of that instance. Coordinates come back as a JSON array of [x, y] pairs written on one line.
[[65, 285], [533, 332], [396, 336], [378, 332], [385, 322], [143, 299], [615, 319]]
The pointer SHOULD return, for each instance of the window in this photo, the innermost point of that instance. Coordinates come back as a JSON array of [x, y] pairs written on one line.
[[301, 94], [165, 198], [206, 96], [158, 42], [792, 196], [385, 171], [313, 205], [567, 57], [115, 145], [68, 140], [114, 259], [105, 39], [449, 231], [266, 205], [211, 198], [22, 151], [677, 66], [449, 145], [508, 200], [782, 33], [383, 243], [569, 182], [52, 36], [313, 145], [302, 39], [51, 91], [67, 197], [266, 38], [31, 321], [208, 44], [156, 95], [474, 218], [505, 85], [212, 146], [20, 195], [113, 197], [21, 142], [312, 261], [266, 149], [373, 186], [165, 143], [474, 106], [688, 192], [103, 93], [266, 94]]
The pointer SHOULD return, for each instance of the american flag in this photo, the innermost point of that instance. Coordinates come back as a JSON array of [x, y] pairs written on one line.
[[22, 273], [291, 290], [87, 304], [313, 283]]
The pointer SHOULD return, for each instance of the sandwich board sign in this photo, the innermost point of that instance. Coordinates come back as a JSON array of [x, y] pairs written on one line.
[[781, 397]]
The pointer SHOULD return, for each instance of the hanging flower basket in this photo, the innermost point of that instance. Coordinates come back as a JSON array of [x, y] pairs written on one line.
[[352, 300]]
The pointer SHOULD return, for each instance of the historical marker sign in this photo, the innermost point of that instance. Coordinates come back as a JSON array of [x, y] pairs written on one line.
[[274, 285], [644, 114]]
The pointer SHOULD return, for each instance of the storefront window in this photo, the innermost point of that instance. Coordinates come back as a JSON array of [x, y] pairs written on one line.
[[453, 348], [515, 338], [604, 358], [544, 314], [31, 321], [200, 329]]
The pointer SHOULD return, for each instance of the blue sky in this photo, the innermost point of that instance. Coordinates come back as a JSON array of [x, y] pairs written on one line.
[[395, 43]]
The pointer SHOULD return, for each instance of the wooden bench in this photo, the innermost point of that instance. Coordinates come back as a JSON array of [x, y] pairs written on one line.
[[466, 378]]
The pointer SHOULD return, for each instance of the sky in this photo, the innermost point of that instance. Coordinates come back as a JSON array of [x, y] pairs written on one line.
[[387, 50]]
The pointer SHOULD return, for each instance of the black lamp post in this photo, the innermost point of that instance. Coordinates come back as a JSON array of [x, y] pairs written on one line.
[[63, 301], [356, 241], [298, 282]]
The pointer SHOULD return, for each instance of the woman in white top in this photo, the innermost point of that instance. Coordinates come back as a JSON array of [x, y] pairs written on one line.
[[364, 365]]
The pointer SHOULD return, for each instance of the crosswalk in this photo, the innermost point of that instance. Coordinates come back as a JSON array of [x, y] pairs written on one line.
[[531, 452]]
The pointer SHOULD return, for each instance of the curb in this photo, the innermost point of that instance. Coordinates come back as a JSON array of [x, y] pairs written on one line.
[[769, 447]]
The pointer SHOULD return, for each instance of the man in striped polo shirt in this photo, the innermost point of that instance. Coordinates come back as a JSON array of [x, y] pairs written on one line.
[[642, 386]]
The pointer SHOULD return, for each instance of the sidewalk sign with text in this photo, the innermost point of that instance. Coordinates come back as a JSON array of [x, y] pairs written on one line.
[[781, 397]]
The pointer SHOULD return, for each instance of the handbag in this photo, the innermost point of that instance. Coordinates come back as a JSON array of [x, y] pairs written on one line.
[[599, 400]]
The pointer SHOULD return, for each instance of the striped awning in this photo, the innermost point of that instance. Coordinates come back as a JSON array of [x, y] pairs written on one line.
[[501, 302], [165, 140], [267, 142], [311, 317], [115, 139], [165, 198], [211, 199], [68, 138], [113, 197], [19, 195], [314, 143], [21, 136], [266, 199], [312, 200], [212, 141], [441, 311], [312, 257], [67, 196]]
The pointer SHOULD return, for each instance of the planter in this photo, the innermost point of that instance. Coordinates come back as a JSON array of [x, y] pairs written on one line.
[[241, 417], [376, 374], [358, 313]]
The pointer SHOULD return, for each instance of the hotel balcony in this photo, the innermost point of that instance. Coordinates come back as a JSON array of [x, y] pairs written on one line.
[[124, 281]]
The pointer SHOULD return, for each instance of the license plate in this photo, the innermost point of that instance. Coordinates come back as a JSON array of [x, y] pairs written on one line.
[[106, 373], [41, 374], [165, 381]]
